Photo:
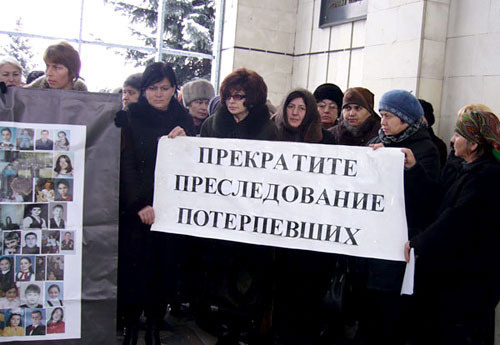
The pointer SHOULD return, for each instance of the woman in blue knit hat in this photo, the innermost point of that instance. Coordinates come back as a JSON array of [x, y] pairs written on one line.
[[402, 125]]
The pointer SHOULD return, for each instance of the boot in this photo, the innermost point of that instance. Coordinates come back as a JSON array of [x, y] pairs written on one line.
[[152, 336], [131, 331]]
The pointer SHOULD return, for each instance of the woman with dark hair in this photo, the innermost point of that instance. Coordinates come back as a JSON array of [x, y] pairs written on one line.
[[148, 263], [62, 69], [301, 276], [457, 279], [298, 119], [243, 315], [56, 322], [131, 89], [243, 112], [63, 167]]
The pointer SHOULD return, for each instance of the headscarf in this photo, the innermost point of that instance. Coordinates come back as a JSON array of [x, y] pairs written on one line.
[[480, 127]]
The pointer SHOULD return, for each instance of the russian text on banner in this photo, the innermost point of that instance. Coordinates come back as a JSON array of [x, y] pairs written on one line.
[[326, 198]]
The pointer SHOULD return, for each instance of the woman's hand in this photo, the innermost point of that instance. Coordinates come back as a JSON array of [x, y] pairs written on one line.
[[376, 146], [147, 215], [407, 251], [410, 160], [177, 132]]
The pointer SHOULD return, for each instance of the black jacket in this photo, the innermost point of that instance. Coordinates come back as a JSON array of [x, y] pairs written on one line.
[[464, 241], [143, 128], [257, 125], [388, 275]]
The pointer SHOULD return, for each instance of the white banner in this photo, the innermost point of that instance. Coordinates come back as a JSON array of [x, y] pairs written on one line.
[[327, 198]]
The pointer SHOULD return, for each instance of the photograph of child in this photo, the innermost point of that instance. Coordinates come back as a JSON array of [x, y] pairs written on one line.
[[44, 190], [6, 272], [35, 322], [24, 268], [50, 241], [12, 216], [8, 141], [40, 270], [54, 294], [64, 190], [31, 295], [44, 143], [56, 322], [24, 138], [63, 166], [62, 141], [57, 216], [35, 216], [55, 267], [11, 297], [68, 241], [11, 242], [31, 242], [15, 323]]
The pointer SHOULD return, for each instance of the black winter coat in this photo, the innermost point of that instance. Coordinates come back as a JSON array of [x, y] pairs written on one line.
[[463, 243], [257, 125], [145, 126], [388, 275], [367, 131]]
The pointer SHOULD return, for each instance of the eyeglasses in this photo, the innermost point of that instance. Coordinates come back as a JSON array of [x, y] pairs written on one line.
[[330, 106], [236, 97]]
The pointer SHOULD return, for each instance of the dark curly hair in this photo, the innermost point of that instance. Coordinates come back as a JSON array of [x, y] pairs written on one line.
[[247, 81]]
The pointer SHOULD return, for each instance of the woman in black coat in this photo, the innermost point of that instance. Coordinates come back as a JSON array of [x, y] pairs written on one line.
[[457, 277], [402, 126], [150, 259], [301, 276], [239, 275]]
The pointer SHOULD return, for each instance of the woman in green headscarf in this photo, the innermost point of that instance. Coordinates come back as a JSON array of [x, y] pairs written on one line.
[[457, 277]]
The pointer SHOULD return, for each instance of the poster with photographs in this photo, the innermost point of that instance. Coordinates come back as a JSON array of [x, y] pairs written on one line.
[[41, 203]]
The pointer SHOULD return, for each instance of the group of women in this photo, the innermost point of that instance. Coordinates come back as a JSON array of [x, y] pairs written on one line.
[[450, 215], [450, 219]]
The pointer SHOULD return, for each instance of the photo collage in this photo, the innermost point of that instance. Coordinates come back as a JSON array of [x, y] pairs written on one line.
[[36, 191]]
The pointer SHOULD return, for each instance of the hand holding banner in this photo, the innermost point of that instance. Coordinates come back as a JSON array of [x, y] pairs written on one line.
[[326, 198]]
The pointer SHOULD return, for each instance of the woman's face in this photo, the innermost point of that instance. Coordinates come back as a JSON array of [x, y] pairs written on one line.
[[25, 265], [236, 103], [159, 94], [129, 95], [329, 111], [61, 135], [10, 74], [35, 211], [57, 315], [15, 320], [391, 124], [296, 111], [463, 148], [58, 76], [355, 115], [63, 163]]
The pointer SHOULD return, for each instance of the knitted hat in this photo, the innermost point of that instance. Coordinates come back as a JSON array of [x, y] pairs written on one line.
[[428, 112], [402, 104], [197, 89], [329, 91], [360, 96]]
